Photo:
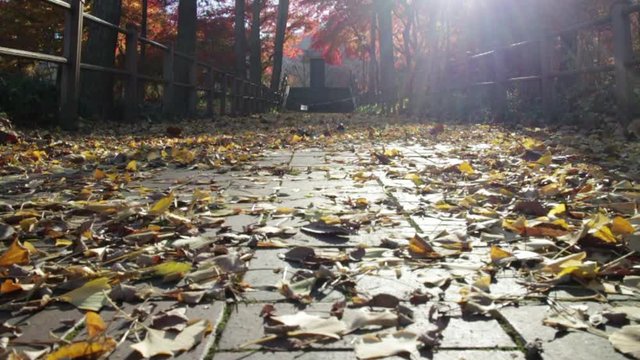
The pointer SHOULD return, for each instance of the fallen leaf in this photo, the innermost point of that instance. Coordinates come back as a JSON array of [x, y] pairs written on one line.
[[132, 166], [162, 205], [621, 226], [90, 296], [379, 346], [306, 324], [94, 324], [160, 342], [466, 168], [83, 349], [419, 247], [627, 340], [17, 254]]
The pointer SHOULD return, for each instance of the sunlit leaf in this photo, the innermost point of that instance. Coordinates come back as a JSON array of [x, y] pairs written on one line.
[[419, 247], [17, 254], [546, 159], [498, 255], [379, 346], [83, 349], [621, 226], [94, 324], [90, 296], [162, 205], [160, 342], [132, 166], [466, 168], [171, 269]]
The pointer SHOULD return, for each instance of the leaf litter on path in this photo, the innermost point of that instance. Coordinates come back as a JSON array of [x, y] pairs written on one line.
[[112, 216]]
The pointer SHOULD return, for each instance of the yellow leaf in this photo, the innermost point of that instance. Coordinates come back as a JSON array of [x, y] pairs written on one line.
[[483, 282], [30, 248], [605, 234], [162, 205], [183, 156], [546, 159], [415, 178], [550, 190], [15, 255], [284, 211], [587, 270], [63, 242], [83, 349], [558, 265], [392, 152], [598, 221], [532, 144], [171, 269], [518, 226], [444, 206], [8, 286], [94, 324], [27, 224], [296, 139], [421, 248], [38, 155], [498, 254], [361, 203], [621, 226], [331, 219], [99, 174], [132, 165], [466, 168], [557, 210]]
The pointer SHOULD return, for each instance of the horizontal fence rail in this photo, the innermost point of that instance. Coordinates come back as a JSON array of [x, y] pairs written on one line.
[[244, 96], [623, 60]]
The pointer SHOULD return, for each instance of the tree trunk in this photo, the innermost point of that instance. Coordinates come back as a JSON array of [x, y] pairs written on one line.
[[387, 63], [143, 27], [373, 57], [186, 43], [255, 44], [278, 53], [240, 40], [97, 87]]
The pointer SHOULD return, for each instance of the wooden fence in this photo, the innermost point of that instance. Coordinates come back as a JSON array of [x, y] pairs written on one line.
[[499, 80], [243, 96]]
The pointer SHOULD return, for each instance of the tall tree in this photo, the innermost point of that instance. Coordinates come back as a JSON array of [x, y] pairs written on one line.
[[186, 43], [387, 62], [373, 56], [240, 46], [281, 28], [255, 45], [97, 87]]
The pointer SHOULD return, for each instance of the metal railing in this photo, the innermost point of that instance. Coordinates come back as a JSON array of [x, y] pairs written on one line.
[[244, 96]]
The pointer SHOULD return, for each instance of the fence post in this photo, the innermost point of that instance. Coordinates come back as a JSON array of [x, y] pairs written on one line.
[[168, 77], [500, 88], [623, 54], [70, 81], [131, 63], [547, 82]]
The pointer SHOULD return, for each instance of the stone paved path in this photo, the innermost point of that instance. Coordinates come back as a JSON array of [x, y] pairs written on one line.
[[314, 180]]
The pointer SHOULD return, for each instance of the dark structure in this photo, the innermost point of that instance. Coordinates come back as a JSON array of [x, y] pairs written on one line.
[[318, 97]]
